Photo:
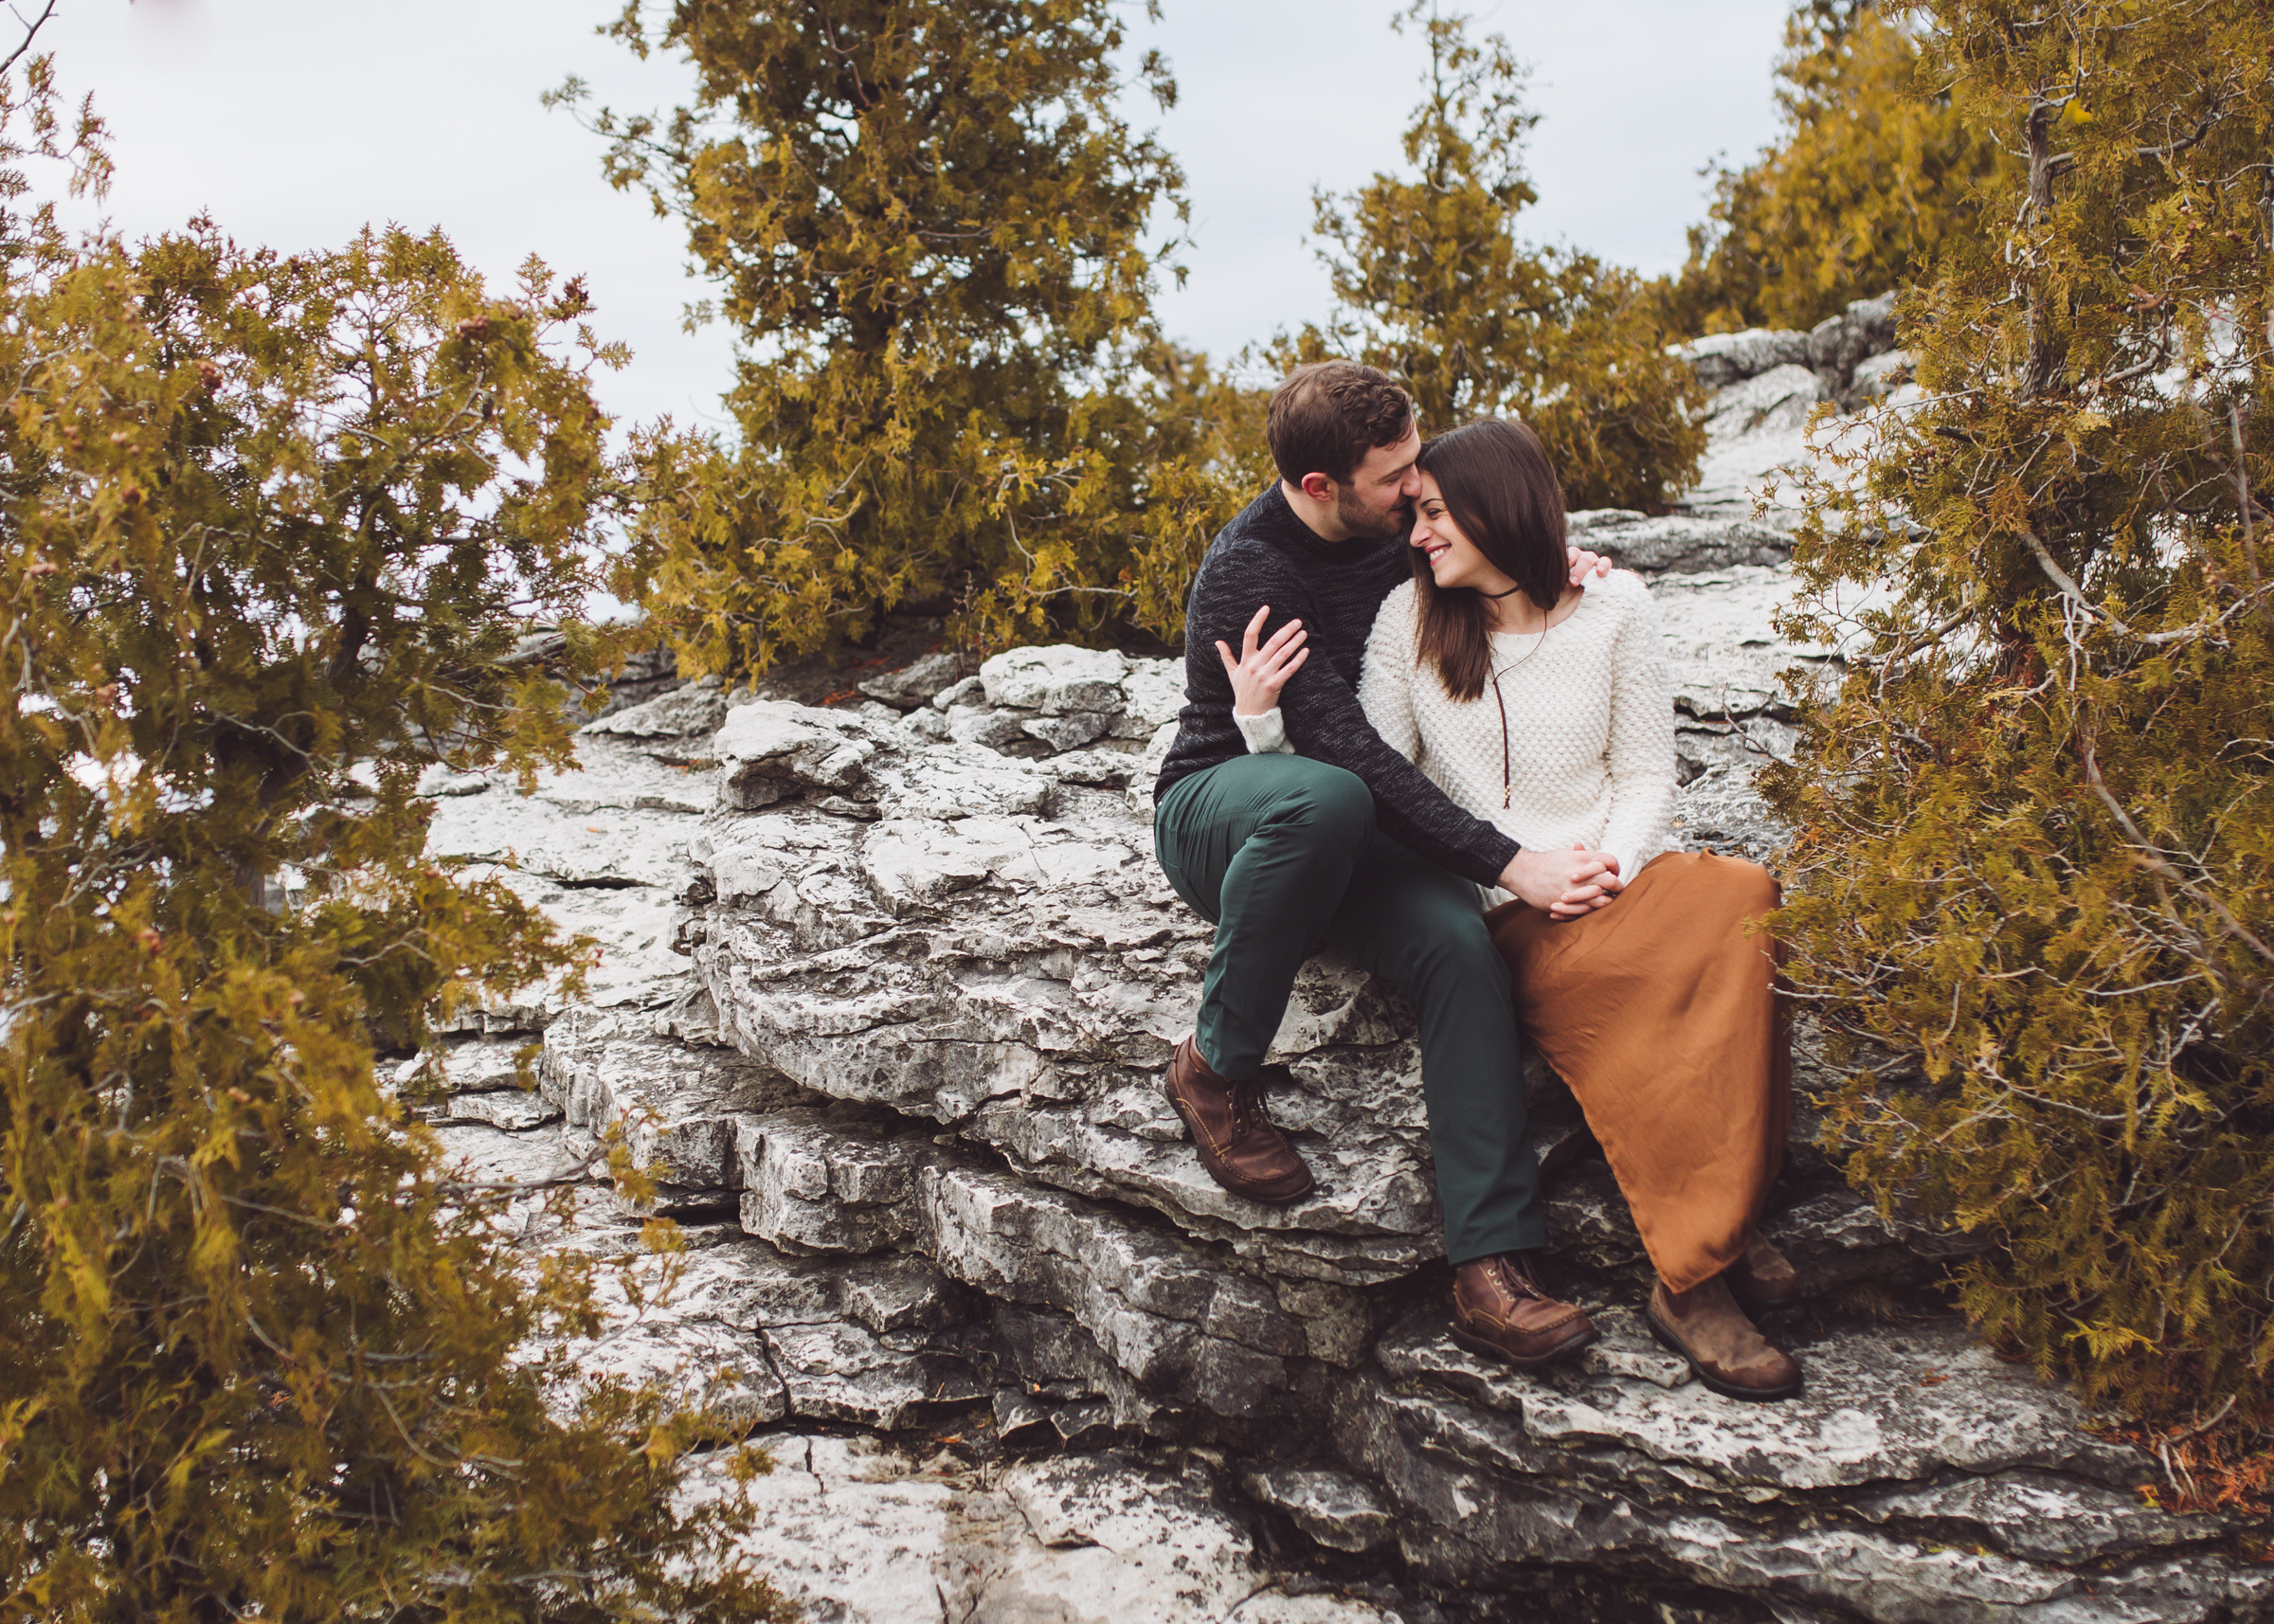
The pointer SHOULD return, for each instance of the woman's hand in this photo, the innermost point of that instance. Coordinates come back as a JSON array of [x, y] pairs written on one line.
[[1258, 673], [1568, 885]]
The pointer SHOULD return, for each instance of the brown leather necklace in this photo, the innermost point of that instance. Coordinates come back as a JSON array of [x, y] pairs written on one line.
[[1507, 780]]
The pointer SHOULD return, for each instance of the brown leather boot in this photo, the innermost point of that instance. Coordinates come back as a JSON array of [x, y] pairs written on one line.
[[1705, 1325], [1238, 1144], [1498, 1307], [1762, 1278]]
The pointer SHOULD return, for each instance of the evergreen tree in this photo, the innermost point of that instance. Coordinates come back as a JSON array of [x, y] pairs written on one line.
[[1438, 289], [2036, 858], [1874, 172], [275, 536], [929, 226]]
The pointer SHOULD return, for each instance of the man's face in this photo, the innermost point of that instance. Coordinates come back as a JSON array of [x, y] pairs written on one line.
[[1377, 500]]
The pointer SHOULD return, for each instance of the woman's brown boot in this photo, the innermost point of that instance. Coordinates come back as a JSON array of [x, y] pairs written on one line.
[[1761, 1278], [1705, 1325]]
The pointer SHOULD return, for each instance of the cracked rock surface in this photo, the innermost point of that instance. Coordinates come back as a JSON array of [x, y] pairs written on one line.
[[857, 1532], [885, 994]]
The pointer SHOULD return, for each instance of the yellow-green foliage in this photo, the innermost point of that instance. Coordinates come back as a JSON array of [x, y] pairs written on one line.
[[2036, 857], [273, 535], [1875, 170], [1438, 289], [929, 224]]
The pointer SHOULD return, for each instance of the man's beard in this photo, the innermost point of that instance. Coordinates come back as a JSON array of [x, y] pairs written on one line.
[[1370, 524]]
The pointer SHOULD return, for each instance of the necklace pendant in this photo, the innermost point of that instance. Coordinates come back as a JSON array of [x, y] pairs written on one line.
[[1503, 797]]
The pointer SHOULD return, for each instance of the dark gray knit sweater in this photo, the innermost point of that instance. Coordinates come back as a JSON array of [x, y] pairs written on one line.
[[1268, 555]]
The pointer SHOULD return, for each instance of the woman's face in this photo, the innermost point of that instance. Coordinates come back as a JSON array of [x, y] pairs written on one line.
[[1454, 559]]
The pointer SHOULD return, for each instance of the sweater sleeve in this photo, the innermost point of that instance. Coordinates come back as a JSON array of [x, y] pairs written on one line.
[[1265, 731], [1385, 681], [1325, 722], [1640, 751]]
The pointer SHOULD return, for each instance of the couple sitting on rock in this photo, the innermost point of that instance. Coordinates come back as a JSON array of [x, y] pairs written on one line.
[[1430, 696]]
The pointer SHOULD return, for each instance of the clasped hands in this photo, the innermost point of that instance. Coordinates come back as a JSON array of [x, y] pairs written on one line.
[[1569, 885]]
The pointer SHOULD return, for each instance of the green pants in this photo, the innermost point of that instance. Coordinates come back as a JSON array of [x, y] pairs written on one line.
[[1281, 852]]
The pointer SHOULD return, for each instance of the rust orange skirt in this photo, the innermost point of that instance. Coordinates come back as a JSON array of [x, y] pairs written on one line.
[[1661, 1012]]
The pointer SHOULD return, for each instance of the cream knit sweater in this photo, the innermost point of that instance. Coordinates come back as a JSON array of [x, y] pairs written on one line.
[[1590, 725]]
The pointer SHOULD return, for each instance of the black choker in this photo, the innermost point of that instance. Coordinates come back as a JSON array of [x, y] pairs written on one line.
[[1497, 596]]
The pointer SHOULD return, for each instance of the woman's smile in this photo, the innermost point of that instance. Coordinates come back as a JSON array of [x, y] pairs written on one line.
[[1454, 559]]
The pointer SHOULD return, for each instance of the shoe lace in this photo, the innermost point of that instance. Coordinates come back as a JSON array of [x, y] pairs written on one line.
[[1246, 1105], [1517, 1276]]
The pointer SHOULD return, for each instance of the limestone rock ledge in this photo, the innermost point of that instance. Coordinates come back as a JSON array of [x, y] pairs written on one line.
[[884, 994], [887, 1004]]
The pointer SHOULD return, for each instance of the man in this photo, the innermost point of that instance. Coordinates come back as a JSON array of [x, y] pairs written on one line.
[[1346, 844]]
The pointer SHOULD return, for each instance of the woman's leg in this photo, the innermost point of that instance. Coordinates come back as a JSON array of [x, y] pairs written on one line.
[[1661, 1012]]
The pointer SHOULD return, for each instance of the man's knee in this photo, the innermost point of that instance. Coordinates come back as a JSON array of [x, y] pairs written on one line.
[[1328, 805]]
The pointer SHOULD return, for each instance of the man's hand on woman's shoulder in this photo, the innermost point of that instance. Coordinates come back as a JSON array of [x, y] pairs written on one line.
[[1585, 564]]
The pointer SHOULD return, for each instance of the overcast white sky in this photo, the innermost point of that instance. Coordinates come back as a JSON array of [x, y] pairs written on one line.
[[295, 121]]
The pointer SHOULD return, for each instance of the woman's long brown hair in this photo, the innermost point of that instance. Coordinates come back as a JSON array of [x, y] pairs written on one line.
[[1502, 490]]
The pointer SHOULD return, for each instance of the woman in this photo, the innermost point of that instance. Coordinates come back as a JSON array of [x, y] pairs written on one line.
[[1546, 709]]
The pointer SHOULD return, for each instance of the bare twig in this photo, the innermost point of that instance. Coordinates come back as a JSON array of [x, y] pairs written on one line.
[[2154, 861], [2242, 492], [2090, 610], [31, 31], [2201, 1426]]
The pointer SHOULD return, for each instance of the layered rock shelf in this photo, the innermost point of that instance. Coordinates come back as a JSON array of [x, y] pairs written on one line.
[[884, 996]]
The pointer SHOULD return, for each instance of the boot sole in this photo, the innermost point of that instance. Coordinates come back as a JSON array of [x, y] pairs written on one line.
[[1587, 1337], [1714, 1383], [1193, 1133]]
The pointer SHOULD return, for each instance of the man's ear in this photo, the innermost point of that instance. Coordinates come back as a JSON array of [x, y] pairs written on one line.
[[1318, 487]]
